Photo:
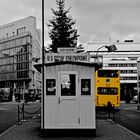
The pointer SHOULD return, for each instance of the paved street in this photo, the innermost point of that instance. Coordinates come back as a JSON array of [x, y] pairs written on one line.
[[126, 116], [30, 130], [9, 113], [129, 117]]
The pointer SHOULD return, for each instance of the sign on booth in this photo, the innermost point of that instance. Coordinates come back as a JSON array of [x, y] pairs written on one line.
[[54, 57]]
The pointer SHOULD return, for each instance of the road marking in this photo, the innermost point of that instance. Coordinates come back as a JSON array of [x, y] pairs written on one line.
[[132, 109], [127, 108], [136, 111], [138, 136], [6, 131], [10, 128]]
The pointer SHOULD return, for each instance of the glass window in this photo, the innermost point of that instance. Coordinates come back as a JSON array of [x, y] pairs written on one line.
[[50, 87], [85, 87], [107, 73], [68, 85]]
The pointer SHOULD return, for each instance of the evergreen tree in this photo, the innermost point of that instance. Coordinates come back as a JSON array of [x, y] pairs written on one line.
[[61, 32]]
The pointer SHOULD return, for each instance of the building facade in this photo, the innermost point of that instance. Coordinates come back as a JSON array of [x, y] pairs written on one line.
[[19, 44], [138, 79], [124, 59]]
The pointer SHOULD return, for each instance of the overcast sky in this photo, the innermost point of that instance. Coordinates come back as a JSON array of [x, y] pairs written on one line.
[[96, 20]]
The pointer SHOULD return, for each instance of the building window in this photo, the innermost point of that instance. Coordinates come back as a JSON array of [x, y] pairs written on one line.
[[23, 74], [21, 30]]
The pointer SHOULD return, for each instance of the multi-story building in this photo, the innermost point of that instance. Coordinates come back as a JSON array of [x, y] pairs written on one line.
[[138, 79], [19, 44], [124, 59]]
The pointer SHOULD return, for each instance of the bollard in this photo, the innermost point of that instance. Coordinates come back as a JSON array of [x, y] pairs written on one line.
[[113, 113], [23, 117], [109, 107], [113, 108], [18, 115]]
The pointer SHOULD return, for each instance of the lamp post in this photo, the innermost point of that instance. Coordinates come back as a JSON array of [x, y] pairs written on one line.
[[111, 48], [43, 57]]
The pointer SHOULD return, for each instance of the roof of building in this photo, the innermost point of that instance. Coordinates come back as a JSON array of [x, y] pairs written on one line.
[[125, 46], [96, 65]]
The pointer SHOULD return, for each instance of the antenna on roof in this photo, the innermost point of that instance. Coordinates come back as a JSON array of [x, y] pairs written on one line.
[[110, 39]]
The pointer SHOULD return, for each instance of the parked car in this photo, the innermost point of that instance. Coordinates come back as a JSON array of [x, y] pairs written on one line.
[[5, 94], [135, 99], [38, 96]]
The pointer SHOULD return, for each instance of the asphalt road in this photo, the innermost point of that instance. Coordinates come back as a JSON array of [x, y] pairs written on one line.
[[9, 113], [129, 117]]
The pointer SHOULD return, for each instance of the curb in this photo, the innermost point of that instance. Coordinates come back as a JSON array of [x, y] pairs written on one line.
[[138, 136], [12, 127], [6, 131]]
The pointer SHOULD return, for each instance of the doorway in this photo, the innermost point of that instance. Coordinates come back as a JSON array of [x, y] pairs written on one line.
[[68, 110]]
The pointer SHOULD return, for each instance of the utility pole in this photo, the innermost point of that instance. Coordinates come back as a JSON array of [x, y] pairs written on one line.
[[43, 57]]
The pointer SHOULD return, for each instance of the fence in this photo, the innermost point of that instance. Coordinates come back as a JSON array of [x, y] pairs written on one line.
[[23, 114], [109, 113]]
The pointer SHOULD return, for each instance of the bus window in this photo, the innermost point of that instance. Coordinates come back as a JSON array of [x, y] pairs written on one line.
[[107, 73]]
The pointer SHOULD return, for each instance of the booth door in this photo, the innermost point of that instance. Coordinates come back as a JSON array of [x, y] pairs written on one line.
[[67, 100]]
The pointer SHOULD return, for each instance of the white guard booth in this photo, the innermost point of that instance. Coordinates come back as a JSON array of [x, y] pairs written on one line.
[[69, 97]]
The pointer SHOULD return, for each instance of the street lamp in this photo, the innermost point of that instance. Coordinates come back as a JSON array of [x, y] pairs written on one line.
[[111, 48], [43, 61]]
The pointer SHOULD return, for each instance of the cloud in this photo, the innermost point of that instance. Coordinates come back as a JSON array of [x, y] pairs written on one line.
[[95, 19], [99, 19], [15, 9]]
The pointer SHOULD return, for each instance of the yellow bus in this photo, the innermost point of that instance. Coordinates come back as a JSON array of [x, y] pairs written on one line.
[[107, 87]]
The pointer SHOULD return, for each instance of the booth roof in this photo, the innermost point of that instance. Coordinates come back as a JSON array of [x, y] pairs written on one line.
[[96, 65]]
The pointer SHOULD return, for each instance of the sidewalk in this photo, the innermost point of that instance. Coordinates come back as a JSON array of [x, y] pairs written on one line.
[[30, 130], [21, 102]]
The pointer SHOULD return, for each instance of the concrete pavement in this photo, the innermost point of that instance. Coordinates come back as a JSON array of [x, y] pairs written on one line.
[[30, 130]]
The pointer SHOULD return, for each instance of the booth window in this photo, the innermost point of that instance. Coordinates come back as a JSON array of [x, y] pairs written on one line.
[[68, 85], [85, 87], [50, 87]]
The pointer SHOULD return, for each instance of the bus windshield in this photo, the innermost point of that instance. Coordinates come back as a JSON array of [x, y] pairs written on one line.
[[107, 73]]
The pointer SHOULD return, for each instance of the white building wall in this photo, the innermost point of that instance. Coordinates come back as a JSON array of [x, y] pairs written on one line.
[[124, 59], [121, 46], [21, 26], [86, 104], [18, 27]]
